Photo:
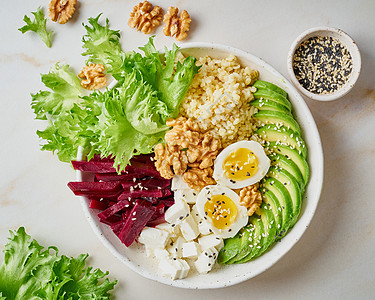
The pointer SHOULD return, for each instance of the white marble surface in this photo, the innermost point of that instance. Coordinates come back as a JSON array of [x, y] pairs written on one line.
[[335, 257]]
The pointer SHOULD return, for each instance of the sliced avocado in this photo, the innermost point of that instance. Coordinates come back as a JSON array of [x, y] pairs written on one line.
[[266, 104], [284, 136], [282, 194], [230, 249], [292, 186], [280, 161], [276, 117], [271, 95], [260, 84], [292, 154], [255, 242]]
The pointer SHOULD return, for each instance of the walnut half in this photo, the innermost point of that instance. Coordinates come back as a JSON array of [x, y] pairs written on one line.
[[61, 10], [251, 198], [176, 26], [145, 18], [93, 76]]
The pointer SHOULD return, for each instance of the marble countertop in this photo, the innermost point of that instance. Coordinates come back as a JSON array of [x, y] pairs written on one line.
[[335, 257]]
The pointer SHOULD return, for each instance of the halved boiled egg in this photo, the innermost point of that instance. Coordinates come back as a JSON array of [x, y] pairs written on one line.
[[241, 164], [220, 206]]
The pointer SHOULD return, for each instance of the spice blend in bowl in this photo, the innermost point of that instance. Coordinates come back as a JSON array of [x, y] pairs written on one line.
[[324, 63]]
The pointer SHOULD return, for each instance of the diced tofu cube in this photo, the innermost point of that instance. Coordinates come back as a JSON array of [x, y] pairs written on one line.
[[194, 213], [172, 230], [175, 249], [153, 237], [160, 253], [188, 195], [178, 183], [174, 268], [204, 227], [190, 250], [185, 268], [189, 228], [210, 241], [177, 212], [206, 260]]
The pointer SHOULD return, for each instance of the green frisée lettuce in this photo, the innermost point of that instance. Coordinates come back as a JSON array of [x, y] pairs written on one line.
[[30, 271], [38, 25], [123, 121]]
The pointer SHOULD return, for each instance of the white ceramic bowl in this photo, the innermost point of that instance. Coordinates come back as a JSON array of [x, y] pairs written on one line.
[[346, 40], [135, 258]]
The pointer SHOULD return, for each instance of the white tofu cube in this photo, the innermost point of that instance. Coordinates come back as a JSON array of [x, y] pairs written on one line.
[[189, 228], [184, 269], [195, 214], [175, 249], [174, 268], [188, 195], [160, 253], [178, 183], [153, 237], [190, 250], [204, 227], [177, 212], [206, 260], [210, 241]]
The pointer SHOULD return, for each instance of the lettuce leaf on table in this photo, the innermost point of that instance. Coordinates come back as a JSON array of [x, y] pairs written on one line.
[[38, 25], [30, 271]]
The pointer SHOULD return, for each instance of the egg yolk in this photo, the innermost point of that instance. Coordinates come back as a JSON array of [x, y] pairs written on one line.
[[221, 210], [240, 164]]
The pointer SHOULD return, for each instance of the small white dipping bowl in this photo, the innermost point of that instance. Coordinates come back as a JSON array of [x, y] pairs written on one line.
[[347, 41]]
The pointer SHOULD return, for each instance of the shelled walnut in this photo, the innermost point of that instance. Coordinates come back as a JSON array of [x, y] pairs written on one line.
[[62, 10], [251, 198], [176, 26], [188, 151], [93, 76], [145, 17]]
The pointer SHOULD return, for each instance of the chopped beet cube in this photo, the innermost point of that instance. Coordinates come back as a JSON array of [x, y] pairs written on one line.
[[143, 158], [98, 204], [111, 220], [105, 214], [140, 214], [94, 166], [140, 193], [116, 227], [157, 221], [147, 169], [116, 177], [168, 202], [149, 183], [110, 188]]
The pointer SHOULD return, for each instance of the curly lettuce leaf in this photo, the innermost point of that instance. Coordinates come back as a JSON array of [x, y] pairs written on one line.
[[38, 25], [66, 92], [29, 271], [102, 45], [143, 109]]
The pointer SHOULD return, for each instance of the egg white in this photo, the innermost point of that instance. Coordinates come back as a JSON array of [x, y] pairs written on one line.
[[263, 165], [241, 219]]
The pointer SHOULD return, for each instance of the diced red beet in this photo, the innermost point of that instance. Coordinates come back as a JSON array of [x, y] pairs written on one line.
[[97, 157], [157, 221], [98, 204], [93, 166], [105, 214], [110, 188], [140, 193], [143, 158], [168, 202], [116, 227], [116, 177], [140, 214], [111, 220], [147, 169], [147, 183]]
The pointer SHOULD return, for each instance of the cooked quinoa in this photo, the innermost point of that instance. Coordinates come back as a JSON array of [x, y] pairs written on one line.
[[218, 99]]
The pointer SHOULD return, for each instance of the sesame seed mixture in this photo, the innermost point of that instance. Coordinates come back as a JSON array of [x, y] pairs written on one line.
[[322, 64]]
